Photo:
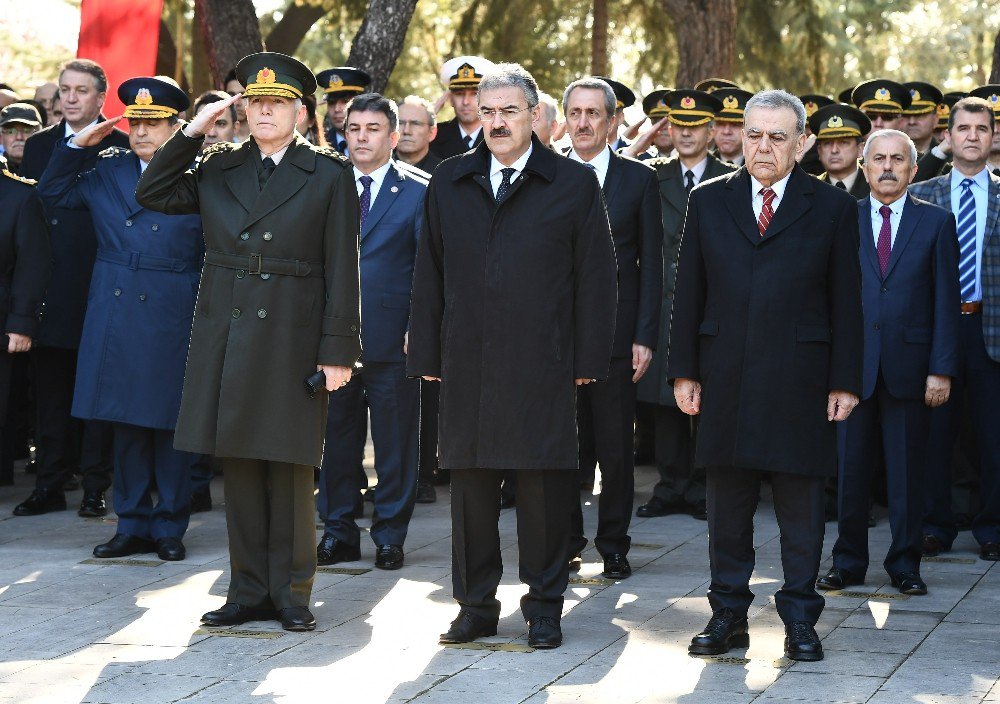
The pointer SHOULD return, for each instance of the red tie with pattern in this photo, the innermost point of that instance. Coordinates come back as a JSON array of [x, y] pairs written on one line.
[[884, 244], [766, 212]]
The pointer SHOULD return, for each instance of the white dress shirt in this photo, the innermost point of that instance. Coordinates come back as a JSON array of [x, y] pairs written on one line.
[[894, 217], [848, 182], [698, 170], [276, 157], [70, 133], [496, 169], [465, 135], [757, 200], [599, 162], [377, 176]]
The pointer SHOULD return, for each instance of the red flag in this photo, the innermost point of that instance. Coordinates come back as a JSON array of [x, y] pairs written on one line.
[[122, 36]]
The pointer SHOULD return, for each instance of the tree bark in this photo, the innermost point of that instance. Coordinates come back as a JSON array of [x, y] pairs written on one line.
[[379, 41], [295, 23], [599, 39], [995, 72], [166, 54], [706, 38], [230, 31]]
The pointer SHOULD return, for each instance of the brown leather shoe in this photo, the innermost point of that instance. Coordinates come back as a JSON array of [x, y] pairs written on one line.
[[932, 546]]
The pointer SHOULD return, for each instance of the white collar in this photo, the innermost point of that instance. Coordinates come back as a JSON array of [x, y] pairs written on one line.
[[69, 130], [778, 187], [895, 206], [599, 162], [518, 166], [698, 169], [377, 176]]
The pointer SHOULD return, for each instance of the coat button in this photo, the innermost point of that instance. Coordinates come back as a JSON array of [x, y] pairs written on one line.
[[883, 289], [265, 276], [245, 236], [267, 236], [154, 227], [118, 292], [262, 313], [237, 312], [128, 223], [877, 326], [55, 221], [142, 296], [354, 328], [240, 273]]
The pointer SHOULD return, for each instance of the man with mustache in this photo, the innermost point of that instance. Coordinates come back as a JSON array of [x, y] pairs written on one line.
[[607, 411], [18, 121], [909, 284], [972, 193], [839, 131]]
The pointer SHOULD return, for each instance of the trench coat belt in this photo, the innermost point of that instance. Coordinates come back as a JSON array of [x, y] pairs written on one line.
[[256, 264], [138, 260]]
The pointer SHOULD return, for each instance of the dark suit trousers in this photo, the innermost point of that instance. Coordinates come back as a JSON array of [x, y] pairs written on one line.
[[543, 501], [979, 380], [733, 495], [430, 401], [680, 481], [272, 534], [64, 443], [903, 426], [611, 408], [394, 403], [357, 459], [143, 455]]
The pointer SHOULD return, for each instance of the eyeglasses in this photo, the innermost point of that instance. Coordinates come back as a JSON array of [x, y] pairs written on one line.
[[19, 130], [412, 124], [487, 114]]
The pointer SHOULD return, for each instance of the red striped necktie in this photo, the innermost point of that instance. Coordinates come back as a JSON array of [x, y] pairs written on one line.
[[766, 212]]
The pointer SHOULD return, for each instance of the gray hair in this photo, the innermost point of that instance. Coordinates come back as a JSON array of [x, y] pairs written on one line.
[[775, 99], [550, 109], [510, 76], [421, 103], [593, 83], [878, 134]]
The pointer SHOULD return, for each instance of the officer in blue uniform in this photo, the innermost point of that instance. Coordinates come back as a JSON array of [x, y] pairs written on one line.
[[138, 322]]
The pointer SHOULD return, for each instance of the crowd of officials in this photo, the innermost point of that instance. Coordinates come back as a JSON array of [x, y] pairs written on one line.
[[750, 288]]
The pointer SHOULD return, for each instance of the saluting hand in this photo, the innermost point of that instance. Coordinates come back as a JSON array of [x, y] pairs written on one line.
[[201, 123], [18, 343], [645, 139], [95, 134], [806, 146], [839, 405], [687, 394]]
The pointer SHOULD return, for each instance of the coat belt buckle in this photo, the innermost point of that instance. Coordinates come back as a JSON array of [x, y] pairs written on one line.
[[254, 264]]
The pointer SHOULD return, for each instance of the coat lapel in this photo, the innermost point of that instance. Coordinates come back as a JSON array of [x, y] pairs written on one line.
[[672, 187], [794, 203], [740, 205], [286, 181], [613, 179], [387, 194], [241, 175], [907, 225], [126, 178], [865, 231]]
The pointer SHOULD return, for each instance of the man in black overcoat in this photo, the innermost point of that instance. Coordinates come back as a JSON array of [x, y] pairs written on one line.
[[766, 344], [513, 307]]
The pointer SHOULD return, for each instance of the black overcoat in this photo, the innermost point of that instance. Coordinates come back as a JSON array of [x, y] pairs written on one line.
[[768, 325], [511, 303], [278, 295]]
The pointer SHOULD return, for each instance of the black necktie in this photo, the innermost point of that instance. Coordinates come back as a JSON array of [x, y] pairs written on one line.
[[365, 197], [504, 184], [265, 173], [342, 147], [840, 185], [469, 141], [689, 175]]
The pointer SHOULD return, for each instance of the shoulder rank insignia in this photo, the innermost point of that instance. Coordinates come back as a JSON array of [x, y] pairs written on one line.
[[22, 179], [331, 153], [112, 152]]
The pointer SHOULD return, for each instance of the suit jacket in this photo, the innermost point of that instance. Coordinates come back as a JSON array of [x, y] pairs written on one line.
[[860, 189], [911, 314], [279, 292], [634, 212], [449, 141], [74, 244], [653, 387], [938, 191], [769, 325], [142, 292], [388, 250]]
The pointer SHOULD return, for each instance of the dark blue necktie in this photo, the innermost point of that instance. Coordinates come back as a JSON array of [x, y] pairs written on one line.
[[967, 241], [504, 184], [366, 197]]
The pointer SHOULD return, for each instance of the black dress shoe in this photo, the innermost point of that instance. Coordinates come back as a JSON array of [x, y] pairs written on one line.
[[201, 500], [330, 551], [389, 557], [699, 511], [235, 614], [838, 578], [123, 545], [616, 566], [656, 507], [909, 583], [544, 633], [575, 563], [170, 549], [990, 551], [932, 546], [93, 505], [442, 477], [297, 618], [802, 643], [426, 493], [724, 631], [41, 501], [467, 627]]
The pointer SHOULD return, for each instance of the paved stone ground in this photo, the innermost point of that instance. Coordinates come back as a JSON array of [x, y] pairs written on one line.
[[75, 631]]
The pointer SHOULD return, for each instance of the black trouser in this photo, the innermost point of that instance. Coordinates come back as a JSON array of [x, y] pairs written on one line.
[[680, 481], [66, 444], [732, 495], [543, 500], [17, 428], [430, 400], [611, 407]]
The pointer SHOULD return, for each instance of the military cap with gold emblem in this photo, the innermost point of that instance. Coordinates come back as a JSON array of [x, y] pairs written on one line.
[[465, 72], [881, 96], [654, 104], [274, 74], [991, 94], [22, 113], [710, 85], [948, 101], [692, 107], [623, 94], [839, 121], [734, 102], [813, 102], [151, 98], [343, 81], [924, 98]]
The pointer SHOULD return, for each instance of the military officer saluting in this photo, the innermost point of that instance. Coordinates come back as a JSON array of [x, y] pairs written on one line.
[[839, 130], [278, 300], [340, 85], [138, 322], [463, 132], [657, 136]]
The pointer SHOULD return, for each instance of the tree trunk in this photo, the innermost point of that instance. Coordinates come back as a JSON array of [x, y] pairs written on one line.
[[166, 54], [201, 75], [706, 38], [599, 39], [230, 30], [995, 72], [379, 41], [295, 23]]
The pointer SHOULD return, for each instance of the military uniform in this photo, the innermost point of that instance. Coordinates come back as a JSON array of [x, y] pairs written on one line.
[[810, 160], [935, 162], [341, 83], [460, 73], [838, 121]]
